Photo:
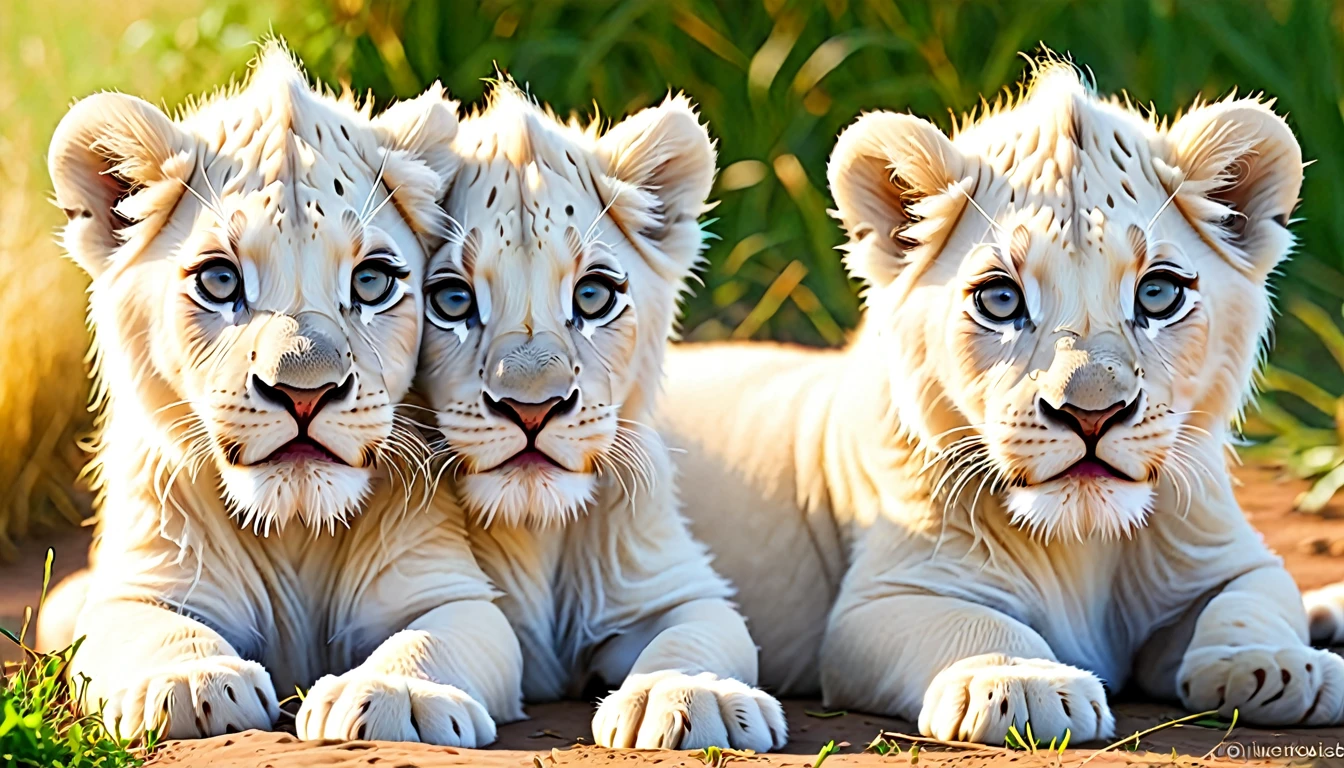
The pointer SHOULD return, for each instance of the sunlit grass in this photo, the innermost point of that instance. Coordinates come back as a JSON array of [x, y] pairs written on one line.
[[44, 720], [776, 80], [52, 53]]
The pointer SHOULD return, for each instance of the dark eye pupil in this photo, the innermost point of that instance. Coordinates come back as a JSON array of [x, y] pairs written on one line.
[[218, 283], [593, 297], [372, 285], [453, 302], [1159, 297], [1000, 300]]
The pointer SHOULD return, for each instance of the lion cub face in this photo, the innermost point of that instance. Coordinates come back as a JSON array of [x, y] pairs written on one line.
[[1085, 288], [549, 311], [256, 293]]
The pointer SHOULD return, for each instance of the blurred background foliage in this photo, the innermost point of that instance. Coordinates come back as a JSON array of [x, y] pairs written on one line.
[[775, 80]]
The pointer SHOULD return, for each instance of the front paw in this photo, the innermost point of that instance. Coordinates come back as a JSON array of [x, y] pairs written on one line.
[[1297, 685], [194, 699], [381, 707], [977, 699], [673, 710]]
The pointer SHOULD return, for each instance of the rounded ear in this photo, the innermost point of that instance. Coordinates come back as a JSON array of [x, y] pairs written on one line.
[[1236, 175], [105, 148], [884, 172], [423, 127], [420, 162], [660, 164]]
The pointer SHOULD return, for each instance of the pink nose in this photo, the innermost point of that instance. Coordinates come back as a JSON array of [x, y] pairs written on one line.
[[303, 403], [1094, 423], [531, 417], [307, 402]]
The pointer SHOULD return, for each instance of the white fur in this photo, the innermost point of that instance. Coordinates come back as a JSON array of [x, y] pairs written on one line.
[[223, 575], [601, 580], [900, 517]]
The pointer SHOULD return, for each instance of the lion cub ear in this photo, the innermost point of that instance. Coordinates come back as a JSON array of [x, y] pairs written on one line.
[[421, 163], [1236, 171], [889, 174], [660, 164], [114, 161]]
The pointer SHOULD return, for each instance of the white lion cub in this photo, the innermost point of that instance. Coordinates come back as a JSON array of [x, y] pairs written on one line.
[[1011, 489], [257, 268], [549, 314]]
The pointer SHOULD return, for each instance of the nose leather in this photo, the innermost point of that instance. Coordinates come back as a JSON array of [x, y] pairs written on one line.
[[306, 401], [1094, 423], [531, 417]]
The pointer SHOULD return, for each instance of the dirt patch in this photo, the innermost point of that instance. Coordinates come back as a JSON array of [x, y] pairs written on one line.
[[558, 734], [1312, 546]]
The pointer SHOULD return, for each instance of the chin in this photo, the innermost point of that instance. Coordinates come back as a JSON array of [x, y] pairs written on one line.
[[320, 493], [528, 494], [1081, 507]]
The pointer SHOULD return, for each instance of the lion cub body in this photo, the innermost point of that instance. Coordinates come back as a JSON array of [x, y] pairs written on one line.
[[1010, 492]]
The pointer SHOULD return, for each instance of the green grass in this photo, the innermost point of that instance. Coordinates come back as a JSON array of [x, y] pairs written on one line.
[[776, 80], [43, 722]]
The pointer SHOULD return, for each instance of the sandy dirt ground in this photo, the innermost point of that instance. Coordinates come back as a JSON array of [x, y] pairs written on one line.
[[559, 735]]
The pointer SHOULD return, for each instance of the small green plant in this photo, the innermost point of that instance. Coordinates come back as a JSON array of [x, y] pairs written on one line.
[[42, 722], [1015, 739], [717, 757], [883, 746], [1029, 742], [711, 756], [826, 751]]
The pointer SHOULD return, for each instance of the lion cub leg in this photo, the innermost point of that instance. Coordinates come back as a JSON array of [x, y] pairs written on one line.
[[1249, 653], [690, 686], [152, 668], [444, 680], [965, 671], [1325, 612]]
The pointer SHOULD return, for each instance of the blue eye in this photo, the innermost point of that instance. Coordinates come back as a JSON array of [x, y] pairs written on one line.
[[452, 300], [1160, 296], [371, 284], [1000, 300], [594, 296], [219, 281]]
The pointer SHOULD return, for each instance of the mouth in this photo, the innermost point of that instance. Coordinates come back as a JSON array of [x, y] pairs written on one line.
[[528, 457], [1090, 468], [300, 449]]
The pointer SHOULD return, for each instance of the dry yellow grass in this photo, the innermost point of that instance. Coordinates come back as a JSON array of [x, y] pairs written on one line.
[[53, 52]]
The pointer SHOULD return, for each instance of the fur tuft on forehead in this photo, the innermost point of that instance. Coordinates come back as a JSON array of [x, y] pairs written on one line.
[[120, 165], [1094, 163], [650, 173]]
